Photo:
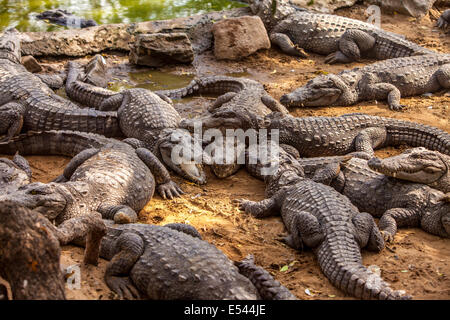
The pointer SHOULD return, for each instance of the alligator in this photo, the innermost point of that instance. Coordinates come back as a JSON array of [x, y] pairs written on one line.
[[27, 101], [417, 165], [238, 96], [331, 136], [384, 80], [14, 174], [146, 116], [65, 18], [107, 176], [173, 262], [342, 39], [318, 217], [30, 250], [398, 203], [444, 20]]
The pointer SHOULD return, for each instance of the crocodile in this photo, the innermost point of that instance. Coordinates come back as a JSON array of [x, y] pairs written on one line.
[[173, 262], [398, 203], [107, 176], [241, 96], [65, 18], [331, 136], [318, 217], [342, 39], [144, 115], [14, 174], [30, 250], [417, 165], [444, 20], [26, 101], [238, 96], [384, 80]]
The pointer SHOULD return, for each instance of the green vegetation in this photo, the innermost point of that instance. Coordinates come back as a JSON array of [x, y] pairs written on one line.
[[21, 13]]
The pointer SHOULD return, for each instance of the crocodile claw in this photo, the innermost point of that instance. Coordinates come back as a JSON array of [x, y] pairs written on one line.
[[331, 58], [301, 52], [397, 107], [442, 23], [124, 288], [387, 236], [170, 190], [241, 203]]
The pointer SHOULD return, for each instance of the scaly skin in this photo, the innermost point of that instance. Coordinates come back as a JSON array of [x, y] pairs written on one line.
[[385, 80], [417, 165], [318, 217], [26, 101], [343, 39], [398, 203], [331, 136], [239, 98], [30, 250], [143, 115], [166, 263], [14, 174], [106, 176], [444, 20]]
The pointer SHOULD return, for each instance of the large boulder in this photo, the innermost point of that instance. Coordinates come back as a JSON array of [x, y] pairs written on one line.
[[159, 49], [415, 8], [81, 42], [235, 38], [326, 6]]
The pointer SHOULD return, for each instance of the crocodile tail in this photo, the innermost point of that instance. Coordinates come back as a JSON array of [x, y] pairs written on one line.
[[343, 267], [84, 93], [46, 114], [207, 85], [62, 143], [417, 135], [268, 288]]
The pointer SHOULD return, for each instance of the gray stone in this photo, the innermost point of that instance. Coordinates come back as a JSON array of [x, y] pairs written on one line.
[[82, 42], [415, 8], [326, 6], [159, 49], [235, 38]]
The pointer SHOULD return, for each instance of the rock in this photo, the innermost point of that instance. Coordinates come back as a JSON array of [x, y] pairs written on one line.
[[159, 49], [415, 8], [82, 42], [326, 6], [31, 64], [235, 38], [95, 72]]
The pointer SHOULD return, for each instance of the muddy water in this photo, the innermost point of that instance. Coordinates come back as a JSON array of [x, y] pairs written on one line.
[[21, 13]]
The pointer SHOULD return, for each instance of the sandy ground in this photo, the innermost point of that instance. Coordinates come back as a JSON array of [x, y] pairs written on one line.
[[417, 262]]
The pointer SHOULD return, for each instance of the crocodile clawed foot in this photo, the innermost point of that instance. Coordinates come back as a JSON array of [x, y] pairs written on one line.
[[5, 138], [301, 52], [397, 107], [241, 203], [169, 190], [125, 215], [123, 288], [331, 58], [441, 23], [60, 179], [387, 236]]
